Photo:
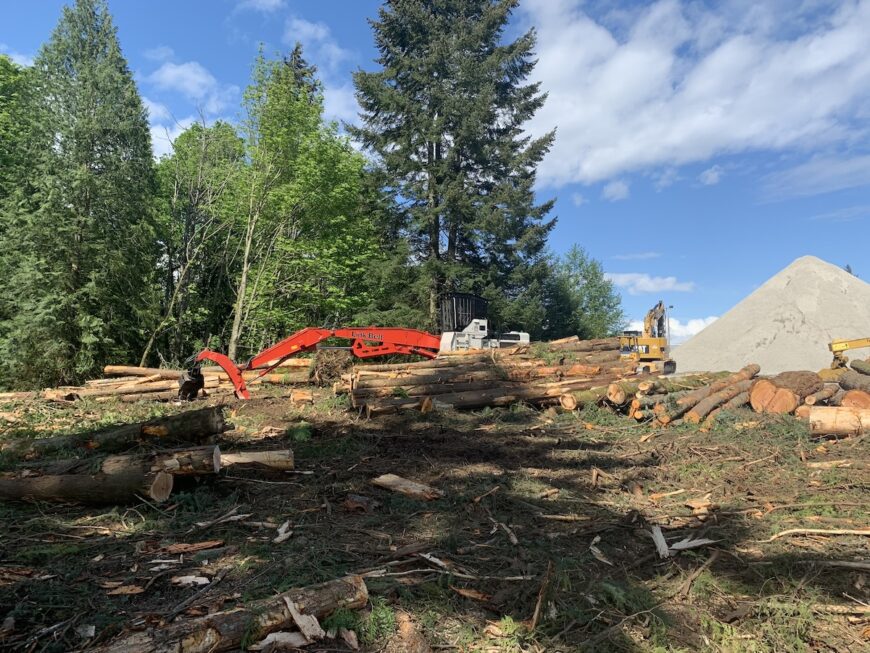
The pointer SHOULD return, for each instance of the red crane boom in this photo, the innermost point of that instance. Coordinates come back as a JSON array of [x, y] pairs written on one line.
[[366, 342]]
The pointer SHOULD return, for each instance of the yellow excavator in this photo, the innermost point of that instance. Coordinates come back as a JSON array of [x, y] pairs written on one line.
[[649, 348], [839, 347]]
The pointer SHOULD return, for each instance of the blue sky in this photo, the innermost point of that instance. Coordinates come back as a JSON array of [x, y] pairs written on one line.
[[700, 148]]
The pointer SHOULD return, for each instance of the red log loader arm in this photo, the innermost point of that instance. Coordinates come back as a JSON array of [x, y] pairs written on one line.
[[366, 342]]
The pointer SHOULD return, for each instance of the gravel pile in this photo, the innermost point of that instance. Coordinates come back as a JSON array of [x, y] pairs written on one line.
[[786, 324]]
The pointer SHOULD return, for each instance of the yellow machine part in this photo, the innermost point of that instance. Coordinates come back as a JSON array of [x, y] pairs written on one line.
[[840, 346]]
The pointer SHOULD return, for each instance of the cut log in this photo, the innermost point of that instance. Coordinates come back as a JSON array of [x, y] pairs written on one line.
[[408, 488], [837, 399], [803, 412], [180, 462], [783, 392], [230, 629], [191, 426], [282, 459], [862, 367], [568, 402], [851, 380], [18, 396], [100, 488], [835, 420], [703, 407], [668, 413], [679, 383], [855, 399], [822, 395], [302, 397], [619, 393], [601, 344]]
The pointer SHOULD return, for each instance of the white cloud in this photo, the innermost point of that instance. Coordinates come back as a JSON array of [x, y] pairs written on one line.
[[615, 191], [847, 214], [578, 200], [711, 176], [318, 42], [21, 59], [676, 82], [160, 53], [637, 283], [157, 112], [642, 256], [821, 174], [264, 6], [680, 331], [163, 136], [196, 83], [339, 103]]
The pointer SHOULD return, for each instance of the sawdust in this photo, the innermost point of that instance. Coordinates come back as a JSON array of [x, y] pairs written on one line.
[[786, 324]]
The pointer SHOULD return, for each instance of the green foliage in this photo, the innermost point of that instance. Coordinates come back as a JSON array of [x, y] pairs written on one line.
[[14, 81], [445, 116], [581, 299], [79, 238]]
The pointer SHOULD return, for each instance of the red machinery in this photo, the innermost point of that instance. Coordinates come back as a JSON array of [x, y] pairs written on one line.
[[367, 342]]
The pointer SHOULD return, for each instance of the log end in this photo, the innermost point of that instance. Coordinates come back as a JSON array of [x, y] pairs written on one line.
[[161, 487]]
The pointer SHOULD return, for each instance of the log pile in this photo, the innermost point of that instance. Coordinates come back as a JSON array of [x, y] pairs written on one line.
[[558, 375], [130, 383]]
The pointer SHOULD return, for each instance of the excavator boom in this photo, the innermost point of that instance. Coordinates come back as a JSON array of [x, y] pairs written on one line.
[[838, 347], [366, 342]]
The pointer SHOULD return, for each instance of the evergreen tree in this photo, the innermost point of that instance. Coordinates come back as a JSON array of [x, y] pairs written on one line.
[[13, 118], [445, 115], [80, 237]]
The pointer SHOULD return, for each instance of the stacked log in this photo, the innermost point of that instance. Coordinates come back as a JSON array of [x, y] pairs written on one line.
[[490, 378], [783, 393]]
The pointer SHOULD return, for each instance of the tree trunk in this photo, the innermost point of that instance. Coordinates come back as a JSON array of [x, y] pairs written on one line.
[[822, 395], [834, 420], [280, 459], [227, 630], [684, 404], [706, 405], [600, 344], [783, 392], [302, 397], [190, 426], [851, 380], [855, 399], [120, 486], [183, 462]]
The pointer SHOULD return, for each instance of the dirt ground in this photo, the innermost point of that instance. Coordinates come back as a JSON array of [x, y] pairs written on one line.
[[541, 541]]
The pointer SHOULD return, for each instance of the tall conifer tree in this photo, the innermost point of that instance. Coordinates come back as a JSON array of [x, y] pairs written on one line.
[[445, 115], [81, 239]]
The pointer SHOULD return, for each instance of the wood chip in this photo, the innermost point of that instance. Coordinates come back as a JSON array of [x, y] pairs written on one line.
[[475, 595], [307, 623], [659, 540], [182, 547], [284, 533], [188, 581], [408, 488], [126, 590], [349, 637], [280, 641]]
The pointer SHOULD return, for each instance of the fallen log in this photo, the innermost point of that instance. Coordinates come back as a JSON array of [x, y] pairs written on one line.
[[600, 344], [302, 397], [852, 380], [181, 462], [568, 402], [280, 459], [822, 395], [855, 399], [837, 420], [229, 629], [190, 426], [784, 392], [668, 413], [703, 408], [862, 367], [118, 487], [678, 384], [408, 488]]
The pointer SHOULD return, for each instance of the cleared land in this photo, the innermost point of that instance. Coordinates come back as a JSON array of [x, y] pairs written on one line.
[[567, 531]]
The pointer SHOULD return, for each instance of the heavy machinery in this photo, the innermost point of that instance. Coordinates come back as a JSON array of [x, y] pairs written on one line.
[[465, 325], [366, 342], [463, 318], [839, 347], [649, 348]]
